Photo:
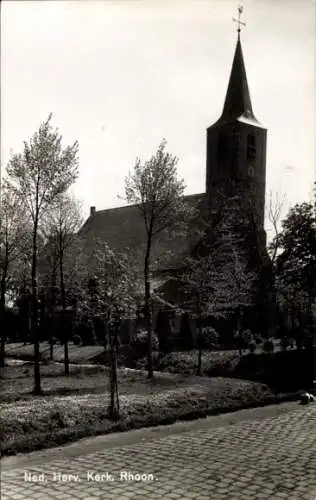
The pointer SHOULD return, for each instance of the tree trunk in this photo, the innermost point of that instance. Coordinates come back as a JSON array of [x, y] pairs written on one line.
[[51, 347], [148, 312], [239, 337], [106, 340], [199, 317], [114, 407], [63, 309], [2, 325], [2, 296], [34, 325], [52, 306]]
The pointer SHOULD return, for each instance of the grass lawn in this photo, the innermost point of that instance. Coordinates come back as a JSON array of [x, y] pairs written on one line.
[[214, 363], [75, 407]]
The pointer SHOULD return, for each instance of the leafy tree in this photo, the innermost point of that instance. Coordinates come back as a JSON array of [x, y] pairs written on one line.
[[62, 223], [248, 226], [216, 278], [37, 176], [155, 189], [295, 266], [14, 240], [108, 290], [14, 244]]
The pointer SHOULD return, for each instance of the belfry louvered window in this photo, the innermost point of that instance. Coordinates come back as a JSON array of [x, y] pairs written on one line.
[[236, 146], [251, 147]]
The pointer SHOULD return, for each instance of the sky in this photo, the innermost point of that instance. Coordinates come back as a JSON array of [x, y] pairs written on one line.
[[119, 76]]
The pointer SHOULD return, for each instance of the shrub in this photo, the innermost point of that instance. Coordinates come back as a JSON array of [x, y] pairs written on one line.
[[252, 347], [268, 346], [77, 340], [210, 338], [214, 364], [139, 343], [258, 340], [247, 336]]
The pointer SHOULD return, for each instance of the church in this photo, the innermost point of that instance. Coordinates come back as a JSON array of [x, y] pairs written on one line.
[[235, 159]]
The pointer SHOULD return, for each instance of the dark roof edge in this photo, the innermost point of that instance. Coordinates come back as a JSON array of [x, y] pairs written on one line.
[[113, 209]]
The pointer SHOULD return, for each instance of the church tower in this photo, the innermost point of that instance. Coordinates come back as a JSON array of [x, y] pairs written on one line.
[[236, 167], [236, 146]]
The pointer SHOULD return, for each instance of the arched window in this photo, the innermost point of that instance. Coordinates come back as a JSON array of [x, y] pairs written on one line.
[[251, 147]]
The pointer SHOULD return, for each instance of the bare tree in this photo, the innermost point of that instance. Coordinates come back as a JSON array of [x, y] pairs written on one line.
[[155, 189], [275, 209], [37, 176]]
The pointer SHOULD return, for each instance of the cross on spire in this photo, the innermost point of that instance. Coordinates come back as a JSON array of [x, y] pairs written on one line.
[[238, 21]]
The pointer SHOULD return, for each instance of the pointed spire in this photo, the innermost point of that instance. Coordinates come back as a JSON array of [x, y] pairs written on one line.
[[238, 102]]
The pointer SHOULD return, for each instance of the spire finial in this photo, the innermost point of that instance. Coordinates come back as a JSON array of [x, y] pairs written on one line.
[[238, 21]]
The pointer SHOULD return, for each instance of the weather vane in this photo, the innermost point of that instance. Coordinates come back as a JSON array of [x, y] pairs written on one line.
[[238, 21]]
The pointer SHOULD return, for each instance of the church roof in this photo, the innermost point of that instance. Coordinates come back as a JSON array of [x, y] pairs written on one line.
[[123, 229], [237, 104]]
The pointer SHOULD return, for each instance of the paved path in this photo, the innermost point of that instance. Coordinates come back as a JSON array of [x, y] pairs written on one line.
[[267, 453]]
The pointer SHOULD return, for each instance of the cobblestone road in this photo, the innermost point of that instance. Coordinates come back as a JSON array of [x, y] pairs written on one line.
[[256, 459]]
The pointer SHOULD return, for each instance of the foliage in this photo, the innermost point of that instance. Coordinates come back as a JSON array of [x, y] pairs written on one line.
[[210, 338], [15, 242], [247, 336], [37, 176], [214, 363], [295, 267], [139, 343], [216, 278], [106, 281], [62, 223], [43, 171], [285, 343], [108, 290], [155, 189]]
